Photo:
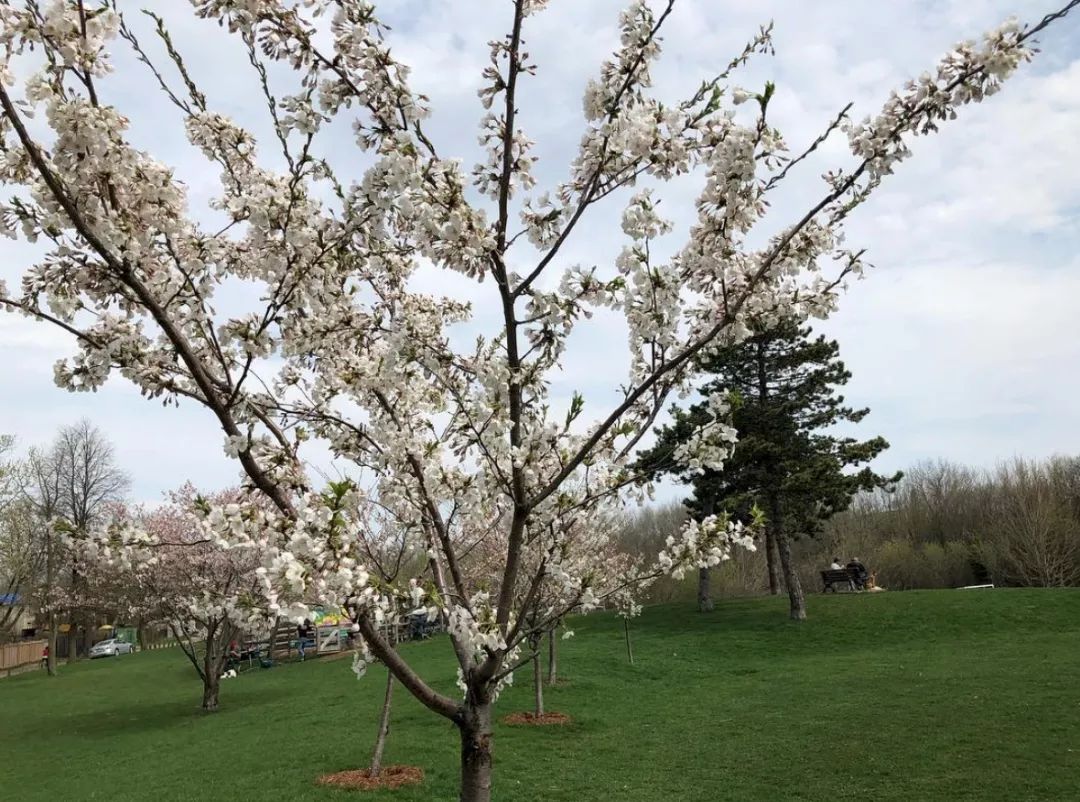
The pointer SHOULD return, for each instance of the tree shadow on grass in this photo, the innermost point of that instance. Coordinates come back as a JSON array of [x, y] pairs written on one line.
[[135, 716]]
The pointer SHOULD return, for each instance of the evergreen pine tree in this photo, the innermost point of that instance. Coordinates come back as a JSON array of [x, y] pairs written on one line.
[[789, 461]]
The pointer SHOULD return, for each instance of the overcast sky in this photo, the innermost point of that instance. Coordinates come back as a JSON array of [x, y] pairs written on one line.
[[963, 339]]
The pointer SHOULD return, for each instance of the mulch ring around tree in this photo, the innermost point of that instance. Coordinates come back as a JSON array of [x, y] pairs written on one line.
[[361, 779], [533, 720]]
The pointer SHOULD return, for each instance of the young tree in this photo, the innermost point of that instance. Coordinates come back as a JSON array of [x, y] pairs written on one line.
[[391, 550], [790, 461], [463, 443], [585, 545]]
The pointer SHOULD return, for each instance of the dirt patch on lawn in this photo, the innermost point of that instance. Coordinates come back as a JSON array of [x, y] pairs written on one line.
[[531, 719], [361, 779]]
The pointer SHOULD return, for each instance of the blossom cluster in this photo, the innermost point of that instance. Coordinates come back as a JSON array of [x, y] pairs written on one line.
[[704, 544]]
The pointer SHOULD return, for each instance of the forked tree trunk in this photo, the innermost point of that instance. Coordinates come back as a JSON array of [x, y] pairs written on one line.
[[476, 746], [384, 727], [214, 664], [771, 560], [626, 634], [553, 657], [538, 686]]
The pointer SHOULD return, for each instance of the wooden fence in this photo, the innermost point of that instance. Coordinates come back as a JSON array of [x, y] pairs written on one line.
[[21, 656], [164, 643]]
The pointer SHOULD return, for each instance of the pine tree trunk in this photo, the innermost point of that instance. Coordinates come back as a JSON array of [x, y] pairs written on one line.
[[384, 727], [771, 560], [538, 687], [797, 602], [626, 634], [476, 746], [553, 657]]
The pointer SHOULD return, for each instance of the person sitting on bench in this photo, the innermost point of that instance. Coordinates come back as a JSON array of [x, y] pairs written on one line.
[[232, 656], [859, 572], [836, 565]]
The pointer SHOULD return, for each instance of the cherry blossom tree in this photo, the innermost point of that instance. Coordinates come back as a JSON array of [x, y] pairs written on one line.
[[347, 345], [159, 565]]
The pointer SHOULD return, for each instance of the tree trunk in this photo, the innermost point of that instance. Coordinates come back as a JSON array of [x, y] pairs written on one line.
[[783, 547], [50, 579], [50, 662], [384, 727], [626, 634], [704, 599], [553, 657], [72, 645], [475, 727], [214, 663], [538, 686], [771, 561], [73, 622], [140, 636], [211, 686], [89, 628]]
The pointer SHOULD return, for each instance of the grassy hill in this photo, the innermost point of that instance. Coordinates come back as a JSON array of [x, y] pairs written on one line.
[[897, 696]]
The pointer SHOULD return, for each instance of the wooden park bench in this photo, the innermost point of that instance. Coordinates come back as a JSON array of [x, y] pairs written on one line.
[[835, 578]]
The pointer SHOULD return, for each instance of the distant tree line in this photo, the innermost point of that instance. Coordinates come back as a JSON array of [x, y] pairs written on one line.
[[944, 526]]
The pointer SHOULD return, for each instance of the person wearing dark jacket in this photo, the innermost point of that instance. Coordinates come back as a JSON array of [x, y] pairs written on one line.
[[858, 572], [305, 636]]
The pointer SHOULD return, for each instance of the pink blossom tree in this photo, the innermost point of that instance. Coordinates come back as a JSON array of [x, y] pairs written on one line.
[[464, 445], [159, 565]]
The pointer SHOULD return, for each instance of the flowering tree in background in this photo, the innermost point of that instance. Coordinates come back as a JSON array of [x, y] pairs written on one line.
[[586, 551], [463, 445], [159, 565]]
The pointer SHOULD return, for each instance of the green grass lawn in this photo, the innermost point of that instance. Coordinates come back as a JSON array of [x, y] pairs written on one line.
[[897, 696]]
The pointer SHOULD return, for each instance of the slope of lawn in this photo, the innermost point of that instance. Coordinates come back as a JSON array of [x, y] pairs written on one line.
[[897, 696]]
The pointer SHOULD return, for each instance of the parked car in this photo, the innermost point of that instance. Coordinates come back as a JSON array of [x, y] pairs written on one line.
[[110, 648]]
